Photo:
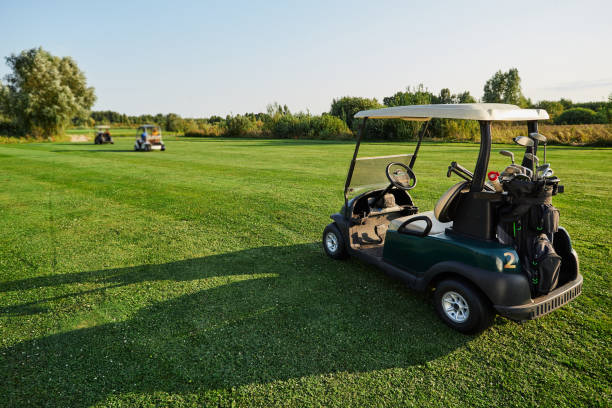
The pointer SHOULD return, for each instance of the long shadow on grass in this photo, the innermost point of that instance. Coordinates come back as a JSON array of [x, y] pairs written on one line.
[[231, 141], [252, 316], [92, 151]]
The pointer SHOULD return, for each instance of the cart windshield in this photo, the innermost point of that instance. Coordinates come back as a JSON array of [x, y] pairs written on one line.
[[370, 173]]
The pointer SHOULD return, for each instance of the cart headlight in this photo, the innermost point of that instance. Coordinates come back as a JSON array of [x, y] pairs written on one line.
[[499, 264]]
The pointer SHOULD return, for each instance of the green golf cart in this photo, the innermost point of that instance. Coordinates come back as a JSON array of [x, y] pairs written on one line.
[[492, 243]]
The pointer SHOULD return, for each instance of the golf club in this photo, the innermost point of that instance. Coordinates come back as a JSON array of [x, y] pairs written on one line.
[[523, 141], [507, 153], [535, 162], [523, 169], [540, 138], [545, 171]]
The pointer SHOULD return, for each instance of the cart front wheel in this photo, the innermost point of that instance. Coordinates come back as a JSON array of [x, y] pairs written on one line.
[[333, 242], [462, 307]]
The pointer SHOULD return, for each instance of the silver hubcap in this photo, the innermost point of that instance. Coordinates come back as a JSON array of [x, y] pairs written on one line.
[[331, 242], [455, 307]]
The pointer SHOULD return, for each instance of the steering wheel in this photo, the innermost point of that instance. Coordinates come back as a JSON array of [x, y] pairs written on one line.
[[401, 176]]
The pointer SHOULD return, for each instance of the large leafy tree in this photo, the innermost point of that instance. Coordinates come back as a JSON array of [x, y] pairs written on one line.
[[174, 123], [346, 107], [504, 87], [43, 93], [418, 95], [445, 96]]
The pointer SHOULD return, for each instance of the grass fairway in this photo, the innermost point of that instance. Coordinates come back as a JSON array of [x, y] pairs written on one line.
[[195, 277]]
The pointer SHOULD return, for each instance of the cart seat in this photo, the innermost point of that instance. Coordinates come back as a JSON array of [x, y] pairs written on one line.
[[419, 226], [444, 207]]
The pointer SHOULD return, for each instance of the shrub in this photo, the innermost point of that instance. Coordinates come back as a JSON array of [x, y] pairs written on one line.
[[575, 135], [577, 116], [456, 130], [7, 126], [238, 126], [328, 127], [302, 126], [206, 130]]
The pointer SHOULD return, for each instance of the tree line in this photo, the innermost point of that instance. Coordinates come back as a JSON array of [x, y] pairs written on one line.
[[44, 94], [279, 122]]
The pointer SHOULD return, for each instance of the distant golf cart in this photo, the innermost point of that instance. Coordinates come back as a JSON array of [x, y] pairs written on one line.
[[103, 135], [491, 245], [149, 138]]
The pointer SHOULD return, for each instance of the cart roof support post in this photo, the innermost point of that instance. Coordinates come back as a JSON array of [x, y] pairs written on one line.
[[418, 146], [480, 172], [349, 176]]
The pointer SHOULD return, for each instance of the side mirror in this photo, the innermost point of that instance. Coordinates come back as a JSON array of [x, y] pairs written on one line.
[[508, 154]]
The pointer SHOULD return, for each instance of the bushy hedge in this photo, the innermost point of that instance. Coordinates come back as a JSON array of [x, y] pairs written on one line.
[[573, 135], [304, 126], [576, 116], [242, 126], [206, 130], [8, 127], [283, 126]]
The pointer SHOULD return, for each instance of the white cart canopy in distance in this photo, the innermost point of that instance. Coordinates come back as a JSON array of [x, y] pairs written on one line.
[[468, 111]]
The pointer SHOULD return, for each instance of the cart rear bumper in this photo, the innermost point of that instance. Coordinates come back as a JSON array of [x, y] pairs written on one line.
[[543, 305]]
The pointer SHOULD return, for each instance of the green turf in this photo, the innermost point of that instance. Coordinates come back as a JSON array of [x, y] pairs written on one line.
[[195, 277]]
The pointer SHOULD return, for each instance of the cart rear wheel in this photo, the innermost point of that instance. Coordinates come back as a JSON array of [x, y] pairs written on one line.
[[333, 242], [462, 307]]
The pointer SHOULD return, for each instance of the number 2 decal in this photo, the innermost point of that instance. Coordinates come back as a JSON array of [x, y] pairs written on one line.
[[509, 260]]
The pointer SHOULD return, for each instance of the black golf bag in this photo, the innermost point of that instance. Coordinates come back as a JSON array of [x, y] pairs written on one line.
[[528, 221]]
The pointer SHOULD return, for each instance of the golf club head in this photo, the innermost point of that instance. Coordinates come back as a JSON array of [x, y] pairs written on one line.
[[528, 172], [537, 136], [512, 170], [516, 171], [544, 167], [509, 173], [508, 154], [523, 141], [545, 171], [523, 169], [533, 158]]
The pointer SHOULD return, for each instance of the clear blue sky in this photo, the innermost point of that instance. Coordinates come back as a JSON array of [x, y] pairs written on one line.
[[202, 58]]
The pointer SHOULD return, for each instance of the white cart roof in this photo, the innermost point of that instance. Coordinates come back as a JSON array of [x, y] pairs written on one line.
[[473, 111]]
